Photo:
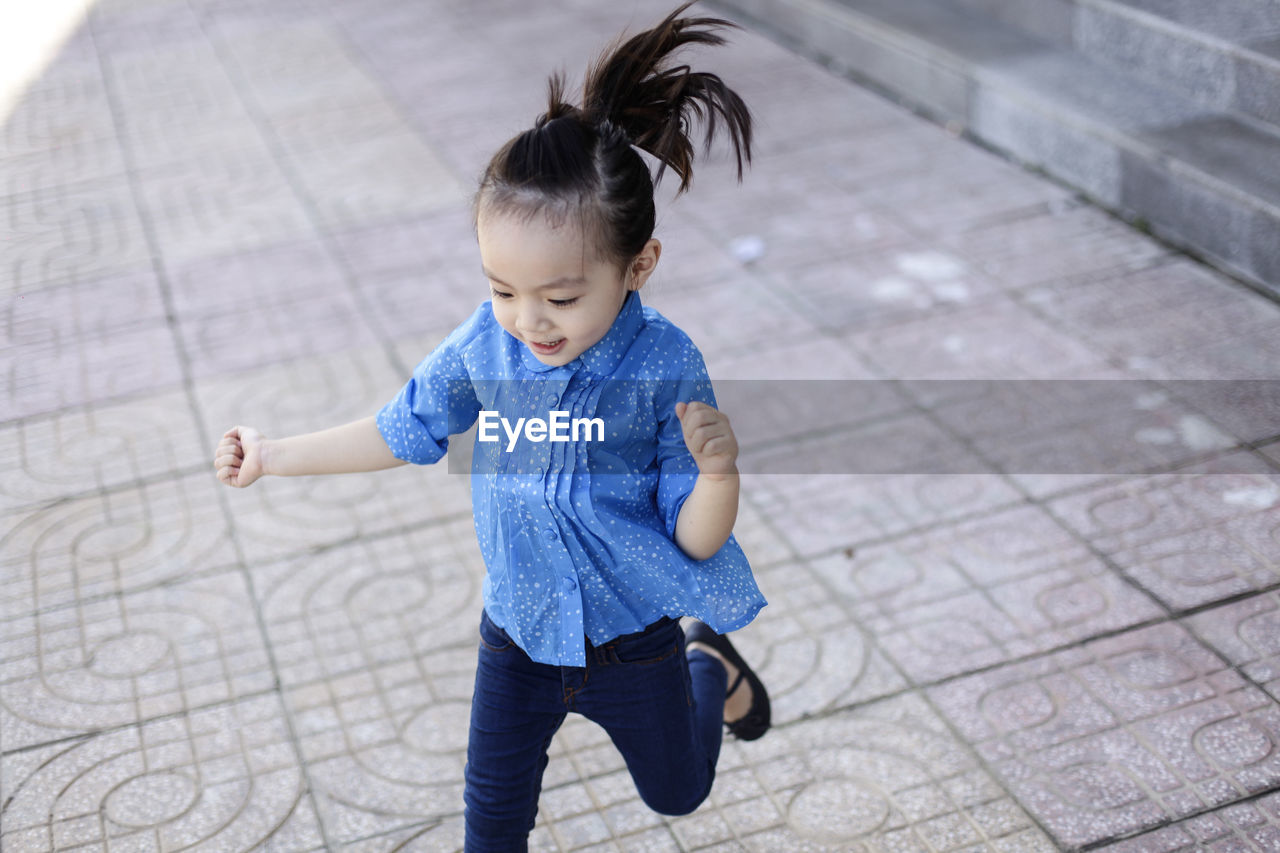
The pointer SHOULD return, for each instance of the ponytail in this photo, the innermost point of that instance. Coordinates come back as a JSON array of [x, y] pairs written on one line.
[[582, 159], [629, 88]]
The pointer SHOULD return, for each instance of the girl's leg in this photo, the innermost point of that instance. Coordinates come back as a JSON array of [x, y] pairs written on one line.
[[517, 708], [664, 712]]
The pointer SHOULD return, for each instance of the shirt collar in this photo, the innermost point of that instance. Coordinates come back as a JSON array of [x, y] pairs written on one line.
[[604, 356]]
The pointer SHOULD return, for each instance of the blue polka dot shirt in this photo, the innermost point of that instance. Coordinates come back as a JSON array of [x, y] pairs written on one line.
[[577, 536]]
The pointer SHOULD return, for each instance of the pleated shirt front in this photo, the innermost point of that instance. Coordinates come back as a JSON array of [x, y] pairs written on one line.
[[577, 535]]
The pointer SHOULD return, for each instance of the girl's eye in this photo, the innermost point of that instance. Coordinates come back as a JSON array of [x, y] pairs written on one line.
[[498, 294], [563, 303]]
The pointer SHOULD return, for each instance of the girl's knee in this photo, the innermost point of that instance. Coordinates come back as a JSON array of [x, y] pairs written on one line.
[[674, 800]]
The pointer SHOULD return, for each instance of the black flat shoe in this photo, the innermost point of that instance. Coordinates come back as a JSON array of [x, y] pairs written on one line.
[[756, 721]]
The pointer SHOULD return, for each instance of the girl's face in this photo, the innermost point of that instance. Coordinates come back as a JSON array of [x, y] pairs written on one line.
[[548, 292]]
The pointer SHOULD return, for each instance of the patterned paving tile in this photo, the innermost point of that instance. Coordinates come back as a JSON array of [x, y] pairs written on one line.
[[1248, 410], [223, 778], [86, 230], [129, 658], [238, 341], [812, 657], [1247, 633], [691, 252], [870, 782], [790, 401], [123, 26], [437, 837], [101, 365], [375, 601], [429, 302], [1189, 539], [385, 745], [1146, 316], [64, 315], [356, 175], [1247, 354], [1064, 242], [960, 191], [155, 138], [785, 95], [416, 273], [820, 514], [763, 545], [889, 776], [118, 541], [76, 161], [1120, 734], [733, 314], [302, 395], [98, 447], [1247, 826], [298, 66], [999, 340], [1272, 452], [228, 199], [336, 123], [785, 205], [819, 357], [281, 518], [58, 132], [184, 77], [879, 156], [175, 104], [375, 644], [442, 242], [397, 174], [1074, 427], [902, 443], [872, 289], [959, 598], [66, 105], [266, 278]]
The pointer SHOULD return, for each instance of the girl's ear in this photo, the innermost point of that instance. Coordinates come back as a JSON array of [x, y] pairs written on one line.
[[643, 264]]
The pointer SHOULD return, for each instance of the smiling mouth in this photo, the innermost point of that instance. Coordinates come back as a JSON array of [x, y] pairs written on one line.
[[546, 348]]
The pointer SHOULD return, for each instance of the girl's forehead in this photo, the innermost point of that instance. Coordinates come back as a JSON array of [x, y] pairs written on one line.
[[539, 225], [532, 240]]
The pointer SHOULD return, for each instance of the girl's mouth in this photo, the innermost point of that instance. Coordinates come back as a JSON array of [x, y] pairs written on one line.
[[546, 349]]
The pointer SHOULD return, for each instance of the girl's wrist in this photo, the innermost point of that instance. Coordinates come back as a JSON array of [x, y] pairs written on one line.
[[724, 477], [265, 451]]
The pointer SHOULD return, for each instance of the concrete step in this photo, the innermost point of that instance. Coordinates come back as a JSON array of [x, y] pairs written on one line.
[[1204, 177], [1225, 53]]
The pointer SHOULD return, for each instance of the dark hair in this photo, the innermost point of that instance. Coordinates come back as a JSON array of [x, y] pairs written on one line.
[[580, 160]]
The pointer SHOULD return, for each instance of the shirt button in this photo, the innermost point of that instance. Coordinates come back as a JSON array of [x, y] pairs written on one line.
[[551, 534], [570, 584], [539, 471]]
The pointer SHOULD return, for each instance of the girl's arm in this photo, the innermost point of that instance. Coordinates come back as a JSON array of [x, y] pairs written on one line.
[[707, 515], [244, 455]]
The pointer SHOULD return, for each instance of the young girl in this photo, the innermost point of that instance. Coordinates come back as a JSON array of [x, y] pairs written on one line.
[[594, 546]]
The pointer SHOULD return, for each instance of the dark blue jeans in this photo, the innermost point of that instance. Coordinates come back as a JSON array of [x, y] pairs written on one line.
[[663, 711]]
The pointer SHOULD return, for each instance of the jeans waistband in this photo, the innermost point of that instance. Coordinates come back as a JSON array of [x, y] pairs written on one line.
[[649, 629], [656, 626]]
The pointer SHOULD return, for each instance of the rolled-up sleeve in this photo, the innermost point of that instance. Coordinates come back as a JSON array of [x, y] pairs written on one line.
[[439, 400], [678, 473]]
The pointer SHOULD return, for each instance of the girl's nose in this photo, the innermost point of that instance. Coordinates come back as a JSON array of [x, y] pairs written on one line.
[[531, 317]]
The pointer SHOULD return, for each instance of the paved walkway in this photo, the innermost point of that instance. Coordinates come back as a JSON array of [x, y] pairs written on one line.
[[235, 211]]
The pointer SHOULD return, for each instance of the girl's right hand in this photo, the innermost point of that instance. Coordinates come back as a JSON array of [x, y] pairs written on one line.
[[238, 459]]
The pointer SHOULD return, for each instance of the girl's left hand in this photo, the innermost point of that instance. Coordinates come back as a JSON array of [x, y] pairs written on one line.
[[709, 438]]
